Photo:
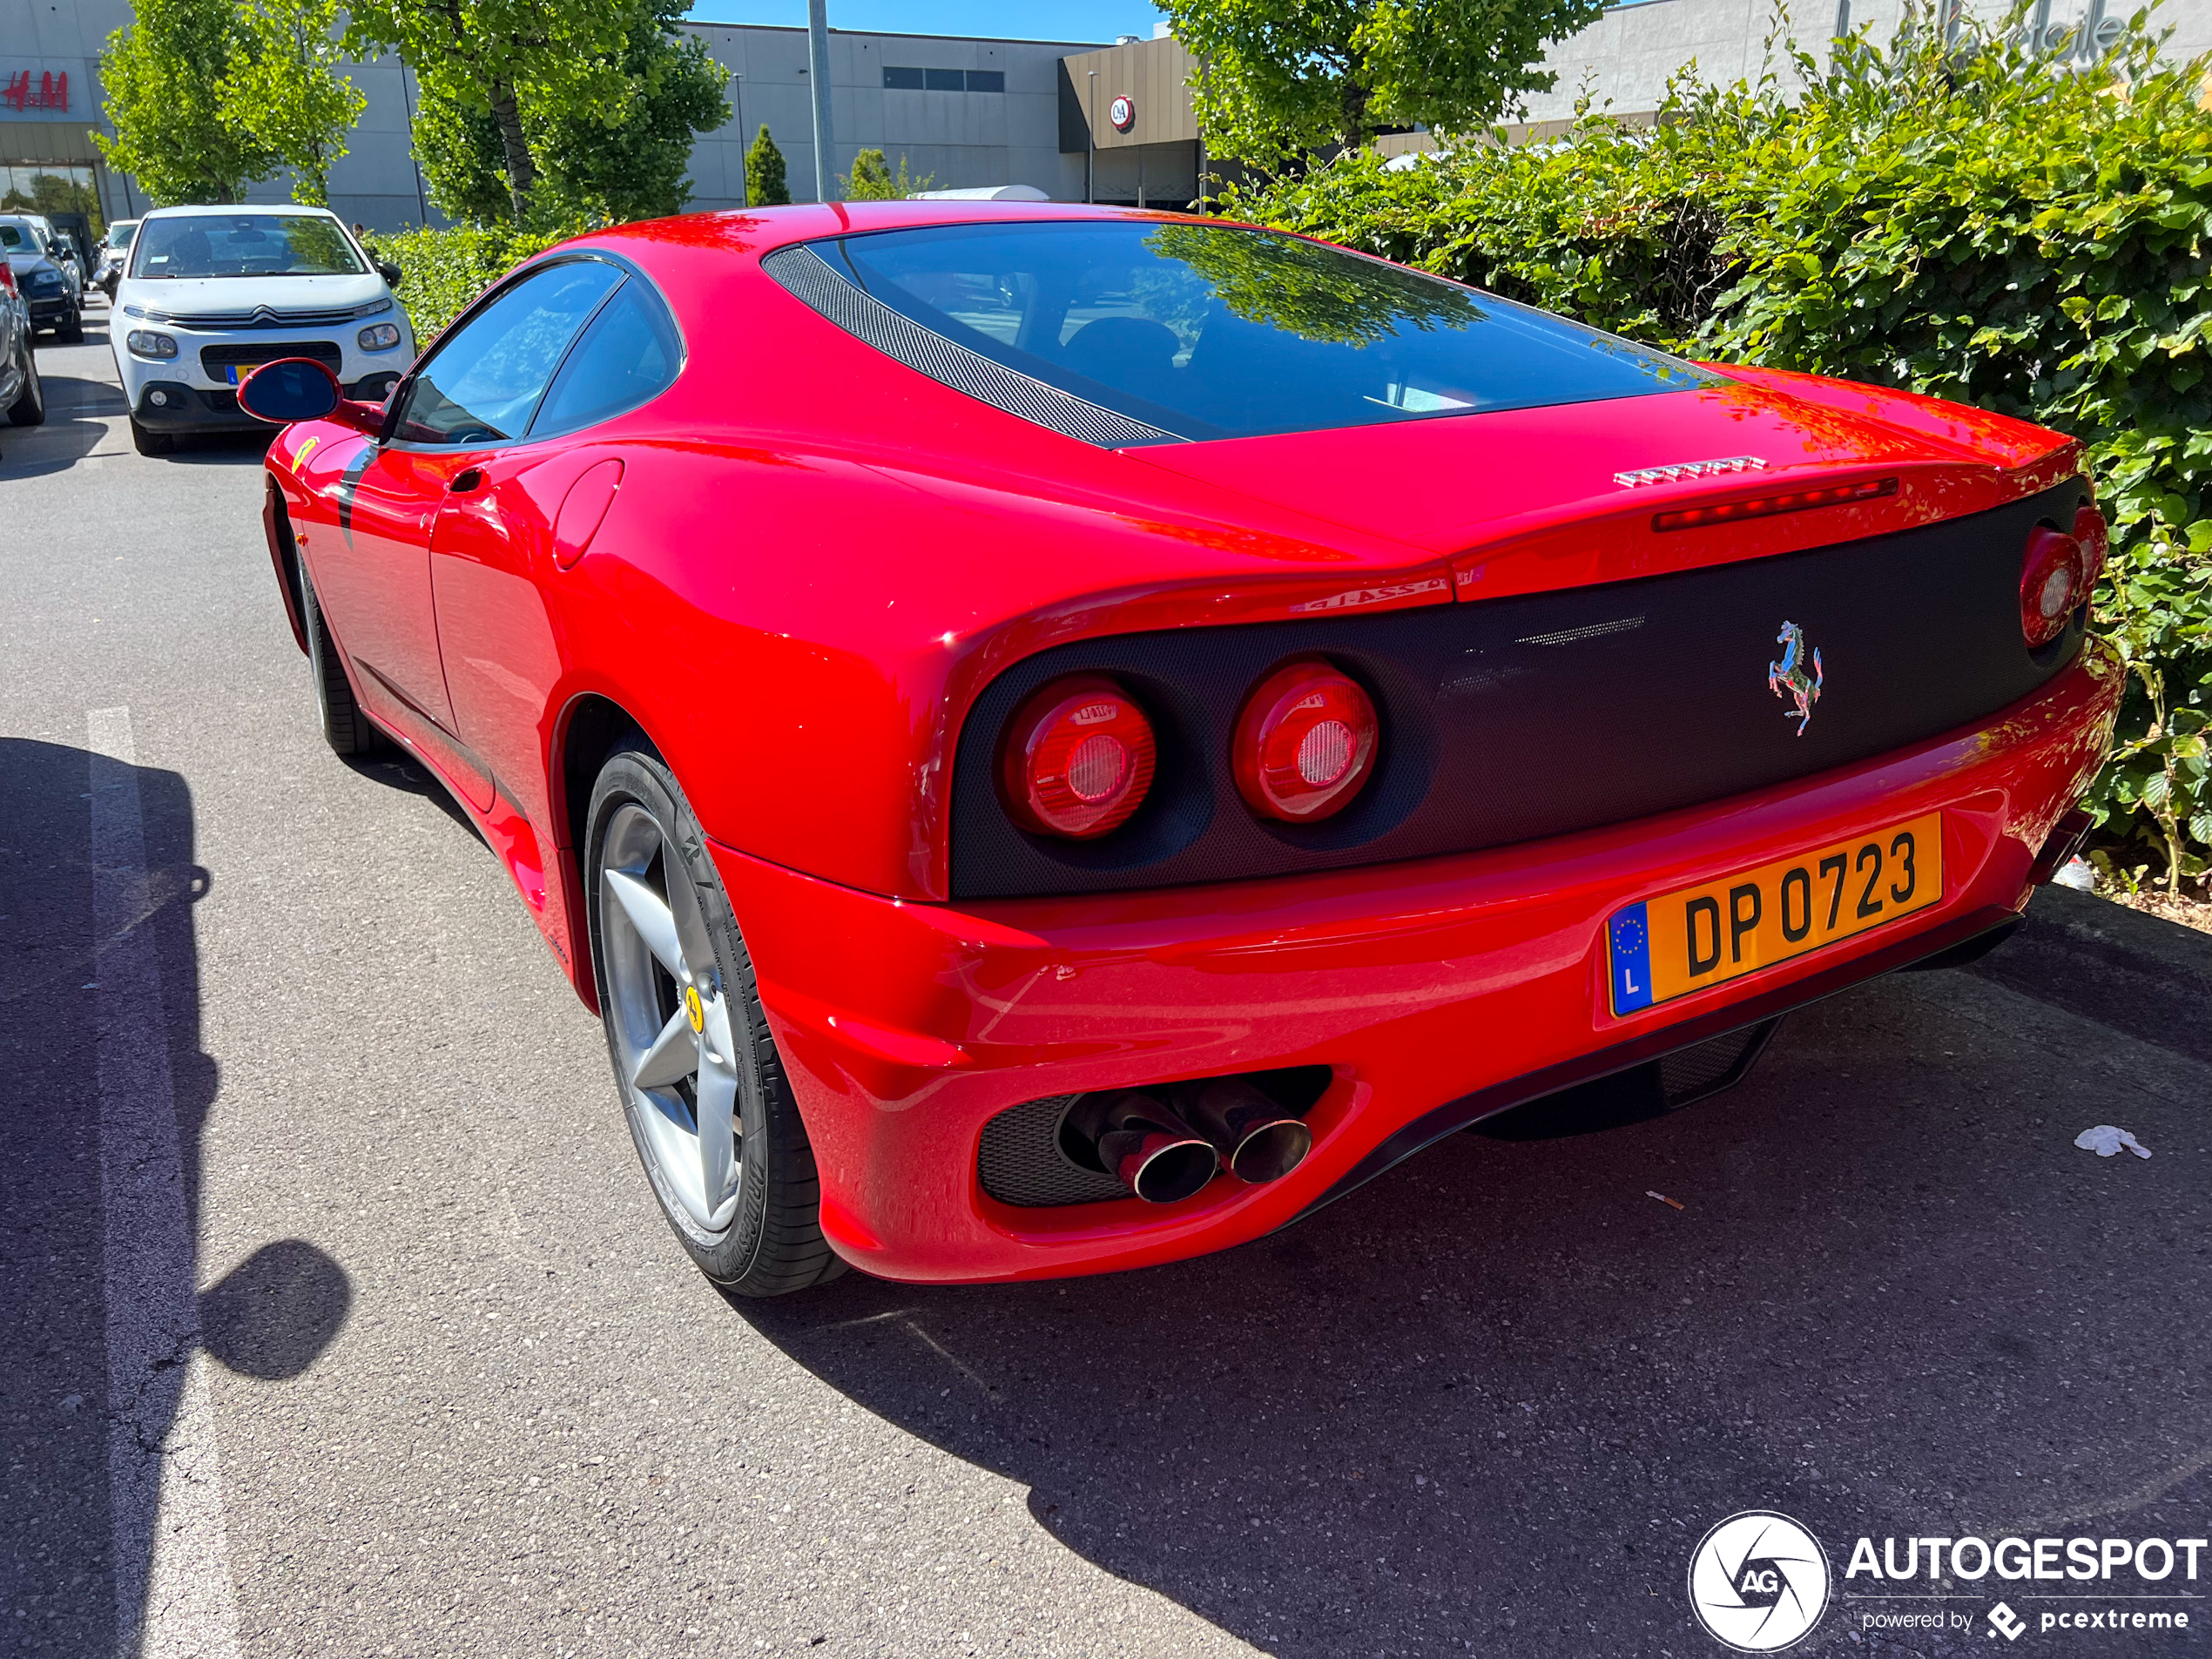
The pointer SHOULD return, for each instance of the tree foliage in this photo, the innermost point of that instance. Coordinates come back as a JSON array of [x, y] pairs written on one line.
[[285, 91], [764, 184], [208, 96], [494, 58], [1287, 77], [162, 80], [624, 159], [1964, 219], [872, 180]]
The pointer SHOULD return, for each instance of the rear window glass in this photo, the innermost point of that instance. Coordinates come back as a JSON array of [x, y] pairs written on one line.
[[1213, 331]]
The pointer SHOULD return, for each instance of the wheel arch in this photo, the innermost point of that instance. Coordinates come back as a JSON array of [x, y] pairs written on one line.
[[284, 554], [592, 727]]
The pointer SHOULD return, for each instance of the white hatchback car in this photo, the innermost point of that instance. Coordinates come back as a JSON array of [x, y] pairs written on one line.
[[211, 293]]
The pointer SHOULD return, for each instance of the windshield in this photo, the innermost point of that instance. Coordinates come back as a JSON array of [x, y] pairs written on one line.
[[1213, 331], [245, 244], [17, 239], [120, 235]]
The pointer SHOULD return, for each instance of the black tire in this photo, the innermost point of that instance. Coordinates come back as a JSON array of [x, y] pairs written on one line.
[[345, 728], [30, 406], [147, 441], [772, 1244], [71, 330]]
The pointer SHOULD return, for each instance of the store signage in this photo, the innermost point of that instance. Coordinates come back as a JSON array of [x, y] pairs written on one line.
[[2086, 42], [1123, 112], [48, 91]]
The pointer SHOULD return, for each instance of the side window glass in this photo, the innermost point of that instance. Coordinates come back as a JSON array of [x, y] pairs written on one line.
[[482, 383], [628, 355]]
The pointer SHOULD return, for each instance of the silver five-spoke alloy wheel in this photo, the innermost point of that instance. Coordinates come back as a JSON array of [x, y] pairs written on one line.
[[669, 1013]]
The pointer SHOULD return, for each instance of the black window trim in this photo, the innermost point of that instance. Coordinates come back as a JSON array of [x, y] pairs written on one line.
[[387, 436]]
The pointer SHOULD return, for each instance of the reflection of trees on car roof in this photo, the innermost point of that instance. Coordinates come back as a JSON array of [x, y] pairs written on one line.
[[1316, 292]]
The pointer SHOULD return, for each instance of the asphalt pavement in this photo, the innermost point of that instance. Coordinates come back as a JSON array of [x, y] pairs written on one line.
[[335, 1318]]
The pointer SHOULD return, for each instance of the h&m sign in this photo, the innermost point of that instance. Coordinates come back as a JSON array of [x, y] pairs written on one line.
[[40, 89]]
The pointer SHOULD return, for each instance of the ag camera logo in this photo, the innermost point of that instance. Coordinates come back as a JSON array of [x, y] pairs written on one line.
[[1758, 1581]]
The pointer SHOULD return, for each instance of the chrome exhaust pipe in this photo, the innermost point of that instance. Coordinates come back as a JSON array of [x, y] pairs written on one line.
[[1258, 1140], [1140, 1140]]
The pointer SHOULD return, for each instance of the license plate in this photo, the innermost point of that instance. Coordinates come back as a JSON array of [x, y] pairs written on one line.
[[231, 373], [1721, 930]]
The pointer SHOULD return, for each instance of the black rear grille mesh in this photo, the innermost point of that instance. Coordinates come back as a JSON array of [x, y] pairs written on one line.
[[1020, 1161], [1510, 719]]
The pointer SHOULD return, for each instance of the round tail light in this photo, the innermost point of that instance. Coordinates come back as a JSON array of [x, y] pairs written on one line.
[[2051, 585], [1305, 742], [2089, 530], [1077, 759]]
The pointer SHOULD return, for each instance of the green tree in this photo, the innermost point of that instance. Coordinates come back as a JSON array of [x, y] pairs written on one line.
[[463, 163], [498, 57], [175, 131], [622, 159], [630, 160], [872, 180], [1287, 77], [765, 186], [283, 90]]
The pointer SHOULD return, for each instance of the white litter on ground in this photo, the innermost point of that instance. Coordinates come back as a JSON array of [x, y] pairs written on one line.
[[2078, 873], [2105, 1140]]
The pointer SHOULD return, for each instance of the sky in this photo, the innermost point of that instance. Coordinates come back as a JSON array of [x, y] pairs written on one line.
[[1099, 20]]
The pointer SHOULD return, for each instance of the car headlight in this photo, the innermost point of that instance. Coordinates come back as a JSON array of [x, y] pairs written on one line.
[[43, 282], [379, 336], [144, 343]]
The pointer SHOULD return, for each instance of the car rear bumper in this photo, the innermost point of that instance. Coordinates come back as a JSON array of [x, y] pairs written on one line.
[[1435, 991]]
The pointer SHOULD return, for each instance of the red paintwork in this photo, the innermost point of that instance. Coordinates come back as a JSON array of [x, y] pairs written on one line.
[[795, 569]]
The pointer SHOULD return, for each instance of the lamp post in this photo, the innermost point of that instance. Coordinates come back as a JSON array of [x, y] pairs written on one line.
[[744, 180], [825, 138], [1090, 155], [407, 97]]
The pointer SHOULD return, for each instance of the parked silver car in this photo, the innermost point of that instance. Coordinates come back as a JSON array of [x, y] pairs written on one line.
[[22, 397], [115, 254]]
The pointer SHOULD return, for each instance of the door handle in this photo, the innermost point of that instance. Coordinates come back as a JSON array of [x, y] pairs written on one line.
[[470, 479]]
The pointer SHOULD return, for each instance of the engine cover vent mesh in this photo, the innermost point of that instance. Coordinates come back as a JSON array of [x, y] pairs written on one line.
[[812, 279]]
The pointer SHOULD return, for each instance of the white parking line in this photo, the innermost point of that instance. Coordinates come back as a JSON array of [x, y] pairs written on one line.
[[173, 1598]]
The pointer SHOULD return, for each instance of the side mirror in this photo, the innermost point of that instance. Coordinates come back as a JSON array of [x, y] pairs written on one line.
[[389, 271], [300, 389]]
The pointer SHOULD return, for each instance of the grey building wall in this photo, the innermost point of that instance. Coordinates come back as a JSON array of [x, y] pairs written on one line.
[[957, 139], [1626, 57], [960, 140]]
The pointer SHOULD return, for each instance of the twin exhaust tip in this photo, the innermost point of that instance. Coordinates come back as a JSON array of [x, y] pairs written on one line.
[[1165, 1154]]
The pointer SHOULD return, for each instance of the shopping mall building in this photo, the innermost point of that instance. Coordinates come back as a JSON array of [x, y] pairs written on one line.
[[1077, 121]]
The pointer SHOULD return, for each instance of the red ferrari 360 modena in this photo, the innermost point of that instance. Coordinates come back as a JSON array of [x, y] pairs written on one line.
[[1058, 738]]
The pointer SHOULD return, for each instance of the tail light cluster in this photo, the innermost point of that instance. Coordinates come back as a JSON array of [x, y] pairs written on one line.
[[1078, 756], [2060, 574]]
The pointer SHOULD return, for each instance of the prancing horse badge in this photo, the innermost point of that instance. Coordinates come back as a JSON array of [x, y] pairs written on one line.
[[1790, 674]]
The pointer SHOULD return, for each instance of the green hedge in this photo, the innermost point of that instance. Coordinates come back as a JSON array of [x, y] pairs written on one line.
[[1962, 220], [442, 270]]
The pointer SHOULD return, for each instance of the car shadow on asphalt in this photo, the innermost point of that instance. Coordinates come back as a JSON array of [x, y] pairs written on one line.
[[78, 410], [1489, 1403], [75, 1540]]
